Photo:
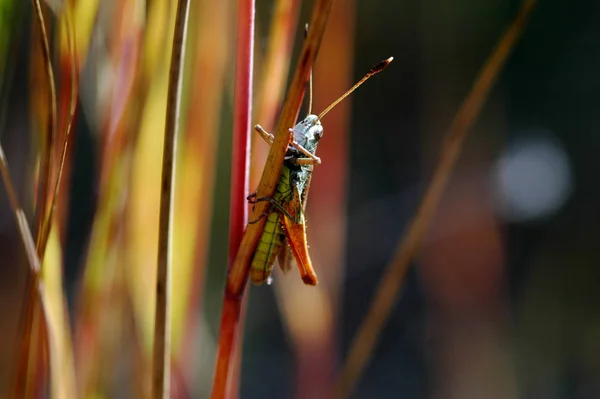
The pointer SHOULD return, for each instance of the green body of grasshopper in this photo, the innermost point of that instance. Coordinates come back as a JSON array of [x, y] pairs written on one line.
[[287, 200], [272, 239]]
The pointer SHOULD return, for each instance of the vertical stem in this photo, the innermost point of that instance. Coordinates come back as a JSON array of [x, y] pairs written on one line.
[[49, 137], [240, 178], [241, 125], [162, 339], [239, 185]]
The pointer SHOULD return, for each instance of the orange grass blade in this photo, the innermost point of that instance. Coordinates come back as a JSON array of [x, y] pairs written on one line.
[[391, 282]]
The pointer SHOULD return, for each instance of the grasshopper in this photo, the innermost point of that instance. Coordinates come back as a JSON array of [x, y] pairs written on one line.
[[285, 225]]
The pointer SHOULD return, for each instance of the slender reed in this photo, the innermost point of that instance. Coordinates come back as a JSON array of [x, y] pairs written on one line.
[[45, 233], [391, 282], [50, 134], [239, 186], [161, 370]]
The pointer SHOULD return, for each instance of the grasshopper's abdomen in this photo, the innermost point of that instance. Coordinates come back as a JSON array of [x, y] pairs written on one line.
[[273, 236], [271, 240]]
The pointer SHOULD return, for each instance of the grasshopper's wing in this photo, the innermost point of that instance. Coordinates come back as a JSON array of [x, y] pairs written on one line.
[[285, 258], [295, 232]]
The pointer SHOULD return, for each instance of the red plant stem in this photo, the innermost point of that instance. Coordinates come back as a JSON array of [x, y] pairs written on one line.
[[239, 189], [242, 114], [227, 339]]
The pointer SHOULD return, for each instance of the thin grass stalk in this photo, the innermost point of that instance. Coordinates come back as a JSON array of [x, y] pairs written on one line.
[[241, 125], [161, 370], [50, 135], [68, 127], [222, 383], [238, 273], [391, 282]]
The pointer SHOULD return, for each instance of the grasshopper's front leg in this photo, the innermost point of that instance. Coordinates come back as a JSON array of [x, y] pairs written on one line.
[[268, 137], [253, 199], [311, 159], [308, 161]]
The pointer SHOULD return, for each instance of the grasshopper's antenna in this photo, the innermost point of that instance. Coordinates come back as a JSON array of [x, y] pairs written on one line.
[[310, 78], [380, 66]]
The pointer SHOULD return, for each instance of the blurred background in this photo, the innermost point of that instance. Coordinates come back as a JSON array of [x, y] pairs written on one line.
[[502, 299]]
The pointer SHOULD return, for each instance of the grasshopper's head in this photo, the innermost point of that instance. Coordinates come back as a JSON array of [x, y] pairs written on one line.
[[308, 132]]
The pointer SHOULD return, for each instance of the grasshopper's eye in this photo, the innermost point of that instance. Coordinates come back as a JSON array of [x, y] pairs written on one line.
[[317, 132]]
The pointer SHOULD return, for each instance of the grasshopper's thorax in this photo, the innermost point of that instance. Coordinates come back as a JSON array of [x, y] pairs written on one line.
[[308, 132]]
